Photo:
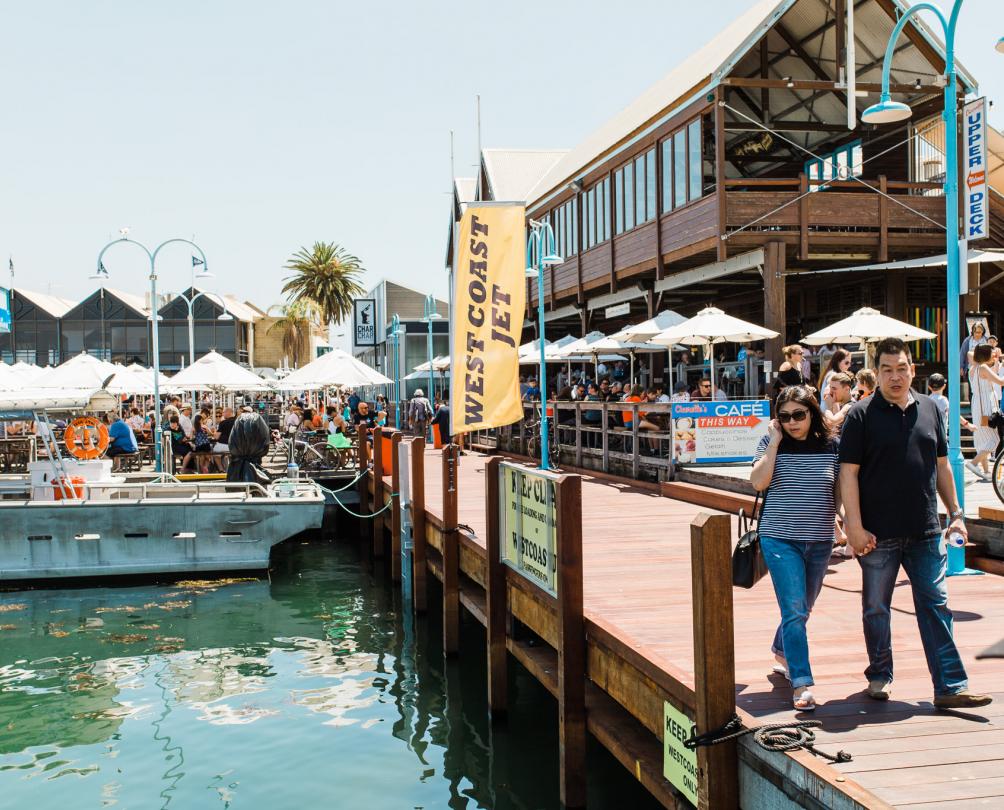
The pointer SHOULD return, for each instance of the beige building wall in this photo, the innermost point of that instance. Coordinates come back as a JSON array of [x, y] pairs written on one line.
[[268, 351]]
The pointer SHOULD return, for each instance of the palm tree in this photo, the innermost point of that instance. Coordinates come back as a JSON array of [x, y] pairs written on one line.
[[327, 276], [298, 318]]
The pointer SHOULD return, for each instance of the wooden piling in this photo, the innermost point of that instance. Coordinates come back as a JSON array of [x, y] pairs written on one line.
[[571, 645], [496, 597], [395, 509], [419, 569], [451, 553], [377, 502], [714, 657]]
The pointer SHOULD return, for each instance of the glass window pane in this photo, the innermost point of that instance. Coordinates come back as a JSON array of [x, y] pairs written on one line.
[[629, 197], [606, 209], [679, 168], [639, 189], [667, 175], [575, 226], [696, 164], [650, 184], [619, 201]]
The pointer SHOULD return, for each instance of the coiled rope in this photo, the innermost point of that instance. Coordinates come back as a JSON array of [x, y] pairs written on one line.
[[789, 736]]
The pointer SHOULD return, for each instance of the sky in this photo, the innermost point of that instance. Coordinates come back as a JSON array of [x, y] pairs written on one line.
[[257, 128]]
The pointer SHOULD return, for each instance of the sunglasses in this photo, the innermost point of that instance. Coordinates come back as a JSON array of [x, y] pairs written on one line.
[[784, 417]]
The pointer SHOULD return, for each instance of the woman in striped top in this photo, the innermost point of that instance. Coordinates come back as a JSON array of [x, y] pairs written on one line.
[[796, 467]]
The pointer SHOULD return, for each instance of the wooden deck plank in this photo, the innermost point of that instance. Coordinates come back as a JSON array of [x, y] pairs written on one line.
[[636, 588]]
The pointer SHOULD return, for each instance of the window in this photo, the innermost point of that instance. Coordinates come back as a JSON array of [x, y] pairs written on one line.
[[575, 226], [605, 208], [639, 189], [679, 169], [696, 164], [619, 201], [629, 197], [667, 175], [842, 163], [650, 187]]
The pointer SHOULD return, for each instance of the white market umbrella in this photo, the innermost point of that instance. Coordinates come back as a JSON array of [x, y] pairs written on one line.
[[865, 326], [215, 372], [529, 352], [708, 327], [28, 372], [331, 369], [646, 330], [607, 348], [83, 371], [10, 380]]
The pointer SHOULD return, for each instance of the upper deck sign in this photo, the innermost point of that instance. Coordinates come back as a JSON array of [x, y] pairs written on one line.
[[974, 133], [364, 322]]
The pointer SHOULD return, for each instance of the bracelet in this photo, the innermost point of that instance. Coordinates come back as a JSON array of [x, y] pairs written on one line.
[[958, 513]]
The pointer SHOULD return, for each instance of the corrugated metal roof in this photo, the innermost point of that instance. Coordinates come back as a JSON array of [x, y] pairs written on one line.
[[465, 188], [513, 172], [701, 71], [55, 306], [136, 302]]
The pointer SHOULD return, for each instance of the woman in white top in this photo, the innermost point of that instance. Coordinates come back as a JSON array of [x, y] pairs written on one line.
[[840, 361], [985, 401]]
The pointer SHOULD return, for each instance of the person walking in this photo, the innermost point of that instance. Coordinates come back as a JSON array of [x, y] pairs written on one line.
[[977, 337], [419, 412], [985, 401], [893, 466], [796, 466]]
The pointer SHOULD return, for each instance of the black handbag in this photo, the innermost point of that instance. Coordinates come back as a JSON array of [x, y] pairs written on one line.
[[748, 565]]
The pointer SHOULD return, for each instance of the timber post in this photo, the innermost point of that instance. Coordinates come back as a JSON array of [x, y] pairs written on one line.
[[571, 644], [496, 596], [362, 453], [419, 570], [451, 553], [395, 509], [714, 658], [377, 491]]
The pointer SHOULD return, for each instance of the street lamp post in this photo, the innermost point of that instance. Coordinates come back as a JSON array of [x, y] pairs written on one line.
[[190, 302], [430, 316], [395, 334], [889, 111], [102, 274], [541, 253]]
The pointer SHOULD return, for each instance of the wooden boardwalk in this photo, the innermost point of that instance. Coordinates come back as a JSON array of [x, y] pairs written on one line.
[[637, 586]]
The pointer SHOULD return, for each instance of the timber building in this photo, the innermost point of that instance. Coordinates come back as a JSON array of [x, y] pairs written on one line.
[[735, 180]]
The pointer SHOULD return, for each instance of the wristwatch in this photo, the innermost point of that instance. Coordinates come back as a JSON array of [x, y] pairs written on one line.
[[958, 513]]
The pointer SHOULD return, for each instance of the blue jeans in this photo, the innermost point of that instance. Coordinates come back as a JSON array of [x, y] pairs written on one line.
[[924, 561], [797, 570]]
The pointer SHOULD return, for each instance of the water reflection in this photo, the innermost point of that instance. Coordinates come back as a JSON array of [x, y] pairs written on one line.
[[306, 691]]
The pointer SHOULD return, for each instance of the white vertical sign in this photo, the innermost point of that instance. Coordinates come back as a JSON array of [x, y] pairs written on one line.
[[974, 161]]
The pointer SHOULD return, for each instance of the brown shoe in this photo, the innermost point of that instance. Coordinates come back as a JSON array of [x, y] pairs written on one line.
[[962, 700], [879, 690]]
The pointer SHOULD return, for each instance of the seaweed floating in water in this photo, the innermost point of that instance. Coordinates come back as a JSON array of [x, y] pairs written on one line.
[[8, 627], [10, 607], [126, 638]]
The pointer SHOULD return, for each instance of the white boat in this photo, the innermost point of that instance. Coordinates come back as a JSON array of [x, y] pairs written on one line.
[[110, 526]]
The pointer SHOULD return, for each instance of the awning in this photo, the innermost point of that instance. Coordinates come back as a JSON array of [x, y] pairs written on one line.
[[975, 256]]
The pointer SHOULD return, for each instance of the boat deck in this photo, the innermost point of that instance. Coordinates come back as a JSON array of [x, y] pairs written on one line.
[[637, 584]]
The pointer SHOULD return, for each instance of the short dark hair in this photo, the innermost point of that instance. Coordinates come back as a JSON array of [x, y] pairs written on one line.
[[983, 353], [892, 345], [936, 382]]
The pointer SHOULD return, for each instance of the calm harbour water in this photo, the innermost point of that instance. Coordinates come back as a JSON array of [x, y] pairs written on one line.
[[306, 691]]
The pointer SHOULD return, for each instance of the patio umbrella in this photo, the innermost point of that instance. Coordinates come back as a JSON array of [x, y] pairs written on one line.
[[82, 371], [215, 372], [646, 330], [867, 325], [334, 368], [711, 326], [609, 348]]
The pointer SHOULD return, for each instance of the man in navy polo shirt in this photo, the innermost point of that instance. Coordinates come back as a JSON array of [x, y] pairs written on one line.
[[893, 466]]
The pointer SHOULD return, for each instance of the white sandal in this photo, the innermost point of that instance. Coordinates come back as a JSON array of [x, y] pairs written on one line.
[[807, 699]]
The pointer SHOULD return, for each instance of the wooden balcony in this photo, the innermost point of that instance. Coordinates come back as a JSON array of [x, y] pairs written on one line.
[[873, 214]]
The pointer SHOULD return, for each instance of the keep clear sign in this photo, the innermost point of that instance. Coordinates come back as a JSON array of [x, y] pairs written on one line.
[[529, 524], [679, 763]]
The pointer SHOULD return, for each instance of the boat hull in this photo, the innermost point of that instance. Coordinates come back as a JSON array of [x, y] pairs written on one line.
[[151, 536]]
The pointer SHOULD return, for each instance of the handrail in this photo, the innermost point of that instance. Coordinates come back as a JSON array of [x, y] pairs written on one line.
[[793, 183]]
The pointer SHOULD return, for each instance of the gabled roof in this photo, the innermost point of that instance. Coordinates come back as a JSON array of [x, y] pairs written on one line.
[[55, 306], [241, 310], [703, 71], [134, 302], [511, 173]]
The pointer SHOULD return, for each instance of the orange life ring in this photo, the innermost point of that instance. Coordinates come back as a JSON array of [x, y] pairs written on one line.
[[86, 437]]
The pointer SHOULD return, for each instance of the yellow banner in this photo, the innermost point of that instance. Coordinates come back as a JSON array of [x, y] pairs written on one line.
[[489, 297]]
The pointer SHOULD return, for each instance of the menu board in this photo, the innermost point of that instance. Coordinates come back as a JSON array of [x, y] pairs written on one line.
[[719, 432]]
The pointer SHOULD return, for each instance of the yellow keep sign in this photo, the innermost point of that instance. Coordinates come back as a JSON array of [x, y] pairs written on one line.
[[529, 524], [679, 763]]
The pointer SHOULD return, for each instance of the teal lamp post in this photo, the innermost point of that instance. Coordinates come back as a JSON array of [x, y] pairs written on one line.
[[395, 336], [888, 111], [429, 318], [101, 274], [541, 253]]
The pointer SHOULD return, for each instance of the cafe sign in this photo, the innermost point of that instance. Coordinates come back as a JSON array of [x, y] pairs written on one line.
[[529, 524], [719, 432]]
